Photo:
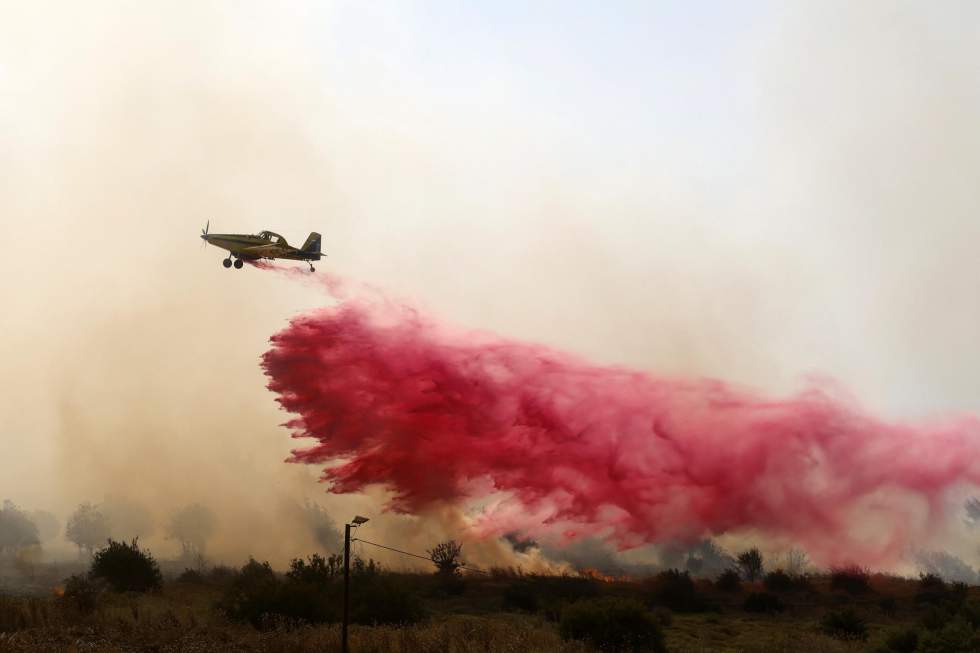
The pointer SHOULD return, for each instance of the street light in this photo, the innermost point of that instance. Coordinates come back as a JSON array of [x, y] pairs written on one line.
[[354, 523]]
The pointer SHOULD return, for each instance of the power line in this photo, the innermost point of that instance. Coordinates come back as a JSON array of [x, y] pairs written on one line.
[[415, 555]]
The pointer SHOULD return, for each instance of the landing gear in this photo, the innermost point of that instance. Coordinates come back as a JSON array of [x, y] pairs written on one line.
[[239, 263], [312, 269], [226, 262]]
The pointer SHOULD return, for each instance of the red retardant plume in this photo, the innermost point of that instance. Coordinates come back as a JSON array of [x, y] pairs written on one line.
[[551, 444]]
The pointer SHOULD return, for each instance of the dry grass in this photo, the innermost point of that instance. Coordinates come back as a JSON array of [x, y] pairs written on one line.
[[183, 618]]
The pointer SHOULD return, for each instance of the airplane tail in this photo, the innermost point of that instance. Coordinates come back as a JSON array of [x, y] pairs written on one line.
[[312, 244]]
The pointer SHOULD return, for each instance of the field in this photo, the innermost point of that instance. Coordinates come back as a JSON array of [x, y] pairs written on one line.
[[503, 612]]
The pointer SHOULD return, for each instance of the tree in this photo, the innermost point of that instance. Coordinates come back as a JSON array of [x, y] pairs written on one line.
[[17, 531], [445, 556], [797, 562], [750, 562], [48, 526], [127, 519], [192, 526], [87, 528], [707, 559]]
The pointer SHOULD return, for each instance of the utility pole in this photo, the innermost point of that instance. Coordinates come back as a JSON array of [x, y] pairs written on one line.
[[357, 521], [343, 632]]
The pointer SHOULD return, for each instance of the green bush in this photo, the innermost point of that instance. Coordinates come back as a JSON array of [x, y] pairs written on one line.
[[612, 624], [762, 602], [126, 567], [845, 624]]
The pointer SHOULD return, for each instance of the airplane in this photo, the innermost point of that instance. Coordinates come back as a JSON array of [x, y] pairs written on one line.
[[265, 244]]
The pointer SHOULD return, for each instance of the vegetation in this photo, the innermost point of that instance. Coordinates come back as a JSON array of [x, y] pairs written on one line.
[[845, 625], [257, 608], [87, 528], [446, 557], [852, 579], [192, 526], [675, 590], [763, 602], [127, 568], [729, 581], [750, 562], [17, 531], [612, 624]]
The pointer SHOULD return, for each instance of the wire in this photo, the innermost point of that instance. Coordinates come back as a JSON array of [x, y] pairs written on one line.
[[415, 555]]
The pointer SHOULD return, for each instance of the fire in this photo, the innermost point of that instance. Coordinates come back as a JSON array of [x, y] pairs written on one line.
[[595, 574], [58, 591]]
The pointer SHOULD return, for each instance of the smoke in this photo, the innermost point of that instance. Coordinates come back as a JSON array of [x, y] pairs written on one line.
[[556, 446], [496, 184]]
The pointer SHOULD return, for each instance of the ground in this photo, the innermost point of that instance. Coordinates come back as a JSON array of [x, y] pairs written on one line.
[[183, 617]]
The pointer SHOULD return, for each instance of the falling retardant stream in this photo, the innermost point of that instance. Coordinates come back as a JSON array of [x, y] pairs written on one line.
[[550, 445]]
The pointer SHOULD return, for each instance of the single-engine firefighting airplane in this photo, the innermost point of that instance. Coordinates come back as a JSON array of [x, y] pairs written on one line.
[[265, 244]]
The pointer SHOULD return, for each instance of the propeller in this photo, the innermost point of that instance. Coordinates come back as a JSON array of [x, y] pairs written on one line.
[[204, 234]]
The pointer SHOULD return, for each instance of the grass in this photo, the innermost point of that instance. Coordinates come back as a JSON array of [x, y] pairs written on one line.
[[182, 618]]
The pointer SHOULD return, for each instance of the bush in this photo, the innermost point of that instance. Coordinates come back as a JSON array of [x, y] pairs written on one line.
[[852, 579], [252, 594], [520, 595], [221, 574], [191, 577], [312, 592], [931, 582], [612, 624], [762, 602], [935, 618], [83, 593], [126, 567], [888, 605], [780, 581], [934, 591], [846, 625], [957, 636], [382, 599], [902, 641], [729, 581], [751, 564], [674, 589]]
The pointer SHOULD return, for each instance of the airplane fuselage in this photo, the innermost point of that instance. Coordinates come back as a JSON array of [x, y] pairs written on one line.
[[264, 245]]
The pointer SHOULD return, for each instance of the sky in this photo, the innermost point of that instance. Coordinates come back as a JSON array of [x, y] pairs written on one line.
[[758, 192]]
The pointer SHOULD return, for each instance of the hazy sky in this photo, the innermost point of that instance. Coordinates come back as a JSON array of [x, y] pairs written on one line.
[[751, 191]]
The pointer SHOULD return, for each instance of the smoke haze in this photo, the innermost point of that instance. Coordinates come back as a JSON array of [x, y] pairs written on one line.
[[752, 194]]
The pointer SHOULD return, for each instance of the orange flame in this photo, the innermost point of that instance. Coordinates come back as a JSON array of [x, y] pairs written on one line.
[[595, 574], [58, 591]]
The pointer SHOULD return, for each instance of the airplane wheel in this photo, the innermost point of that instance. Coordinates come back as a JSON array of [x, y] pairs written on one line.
[[226, 263], [239, 264]]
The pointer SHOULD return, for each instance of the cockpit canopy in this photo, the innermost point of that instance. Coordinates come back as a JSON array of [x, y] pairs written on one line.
[[273, 238]]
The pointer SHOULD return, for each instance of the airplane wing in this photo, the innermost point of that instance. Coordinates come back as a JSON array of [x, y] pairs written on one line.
[[261, 251]]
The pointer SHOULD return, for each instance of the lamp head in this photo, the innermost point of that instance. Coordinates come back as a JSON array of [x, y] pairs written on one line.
[[358, 520]]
